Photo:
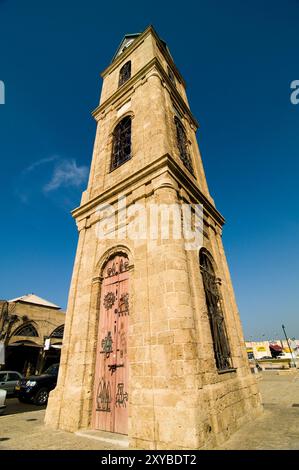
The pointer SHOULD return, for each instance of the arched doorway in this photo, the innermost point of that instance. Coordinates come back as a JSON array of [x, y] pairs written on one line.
[[110, 404]]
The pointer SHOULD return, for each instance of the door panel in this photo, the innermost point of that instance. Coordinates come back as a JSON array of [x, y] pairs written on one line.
[[110, 411]]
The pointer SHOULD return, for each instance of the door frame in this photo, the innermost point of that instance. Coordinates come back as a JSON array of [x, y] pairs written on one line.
[[119, 250]]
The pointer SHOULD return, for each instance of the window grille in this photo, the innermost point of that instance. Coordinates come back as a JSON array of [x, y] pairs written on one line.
[[183, 145], [124, 73], [121, 146], [216, 319]]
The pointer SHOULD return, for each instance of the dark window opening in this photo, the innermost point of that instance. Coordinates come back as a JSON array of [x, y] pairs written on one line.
[[121, 146], [216, 318], [124, 73], [58, 332], [171, 75], [183, 145], [26, 330]]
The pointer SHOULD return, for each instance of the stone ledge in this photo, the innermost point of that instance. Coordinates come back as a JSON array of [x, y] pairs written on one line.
[[109, 437]]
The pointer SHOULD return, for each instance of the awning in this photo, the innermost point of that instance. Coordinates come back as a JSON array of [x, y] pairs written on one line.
[[275, 347]]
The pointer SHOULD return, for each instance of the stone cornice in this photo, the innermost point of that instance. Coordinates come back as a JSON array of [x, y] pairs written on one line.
[[190, 185], [129, 87], [176, 95], [160, 165], [120, 187], [123, 90]]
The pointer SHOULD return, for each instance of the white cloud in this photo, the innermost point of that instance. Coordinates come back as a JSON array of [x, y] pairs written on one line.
[[38, 163], [67, 174]]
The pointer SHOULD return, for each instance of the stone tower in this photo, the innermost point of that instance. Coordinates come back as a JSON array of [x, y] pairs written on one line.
[[153, 345]]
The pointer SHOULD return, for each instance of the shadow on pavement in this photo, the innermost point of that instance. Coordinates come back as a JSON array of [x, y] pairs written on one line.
[[13, 406]]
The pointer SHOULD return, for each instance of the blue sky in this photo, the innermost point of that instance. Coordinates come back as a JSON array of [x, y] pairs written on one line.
[[238, 61]]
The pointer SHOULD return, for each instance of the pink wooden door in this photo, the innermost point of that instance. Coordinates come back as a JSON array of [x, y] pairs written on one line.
[[110, 411]]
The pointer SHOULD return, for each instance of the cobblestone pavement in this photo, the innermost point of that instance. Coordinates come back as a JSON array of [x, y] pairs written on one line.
[[22, 427], [278, 427]]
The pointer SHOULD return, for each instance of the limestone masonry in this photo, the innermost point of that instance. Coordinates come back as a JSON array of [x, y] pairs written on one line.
[[153, 345]]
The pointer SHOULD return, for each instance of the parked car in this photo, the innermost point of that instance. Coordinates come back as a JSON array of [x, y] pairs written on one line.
[[2, 400], [36, 388], [8, 380]]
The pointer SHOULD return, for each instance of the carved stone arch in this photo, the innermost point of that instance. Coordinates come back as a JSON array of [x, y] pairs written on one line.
[[118, 120], [57, 332], [111, 253], [27, 327], [209, 255]]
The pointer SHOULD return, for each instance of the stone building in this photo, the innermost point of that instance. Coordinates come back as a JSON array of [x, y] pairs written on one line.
[[267, 349], [153, 344], [25, 323]]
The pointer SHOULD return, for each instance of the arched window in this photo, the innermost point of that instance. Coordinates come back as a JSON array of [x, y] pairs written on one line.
[[25, 330], [121, 146], [183, 144], [58, 332], [213, 300], [124, 73]]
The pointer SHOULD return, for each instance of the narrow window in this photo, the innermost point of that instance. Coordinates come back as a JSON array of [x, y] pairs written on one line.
[[171, 75], [121, 146], [124, 73], [216, 319], [183, 145]]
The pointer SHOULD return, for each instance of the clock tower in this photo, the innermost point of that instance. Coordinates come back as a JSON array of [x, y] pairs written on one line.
[[153, 345]]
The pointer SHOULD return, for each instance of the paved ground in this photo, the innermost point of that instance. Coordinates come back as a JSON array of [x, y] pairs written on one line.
[[22, 428], [278, 428]]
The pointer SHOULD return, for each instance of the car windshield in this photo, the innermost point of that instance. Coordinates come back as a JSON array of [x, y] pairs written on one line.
[[52, 370], [2, 377]]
